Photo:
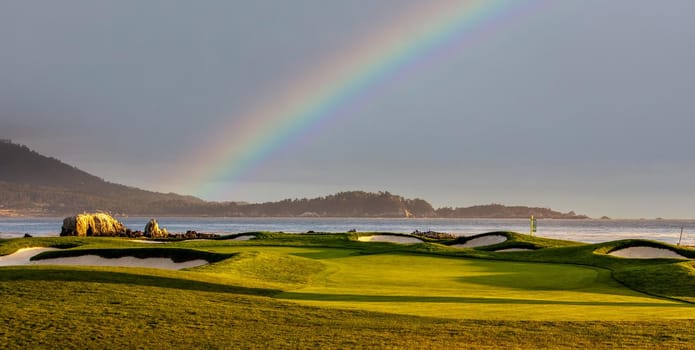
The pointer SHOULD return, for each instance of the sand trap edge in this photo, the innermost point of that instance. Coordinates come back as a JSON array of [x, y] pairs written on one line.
[[482, 241], [126, 261], [513, 250], [646, 252], [390, 239]]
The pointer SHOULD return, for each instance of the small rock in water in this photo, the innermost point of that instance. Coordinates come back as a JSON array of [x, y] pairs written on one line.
[[152, 230]]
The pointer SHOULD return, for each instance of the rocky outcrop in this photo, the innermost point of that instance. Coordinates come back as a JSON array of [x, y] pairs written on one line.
[[433, 234], [96, 224], [152, 230], [193, 235]]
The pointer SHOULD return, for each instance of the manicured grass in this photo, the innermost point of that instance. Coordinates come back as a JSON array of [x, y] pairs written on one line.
[[480, 289], [268, 269], [84, 315], [674, 280], [330, 291]]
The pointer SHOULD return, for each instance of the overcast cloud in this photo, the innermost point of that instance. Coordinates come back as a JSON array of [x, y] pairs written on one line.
[[582, 105]]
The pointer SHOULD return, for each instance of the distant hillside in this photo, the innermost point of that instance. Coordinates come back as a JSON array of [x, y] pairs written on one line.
[[33, 184], [343, 204], [39, 185], [505, 212]]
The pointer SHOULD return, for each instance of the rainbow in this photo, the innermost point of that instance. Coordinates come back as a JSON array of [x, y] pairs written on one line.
[[414, 39]]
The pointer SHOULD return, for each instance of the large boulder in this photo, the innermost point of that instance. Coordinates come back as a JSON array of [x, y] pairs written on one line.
[[152, 230], [96, 224]]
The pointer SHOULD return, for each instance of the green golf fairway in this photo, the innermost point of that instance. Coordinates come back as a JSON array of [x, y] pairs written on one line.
[[458, 288], [329, 290], [478, 289]]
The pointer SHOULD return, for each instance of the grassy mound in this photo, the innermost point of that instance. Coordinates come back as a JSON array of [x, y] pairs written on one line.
[[672, 280], [266, 269]]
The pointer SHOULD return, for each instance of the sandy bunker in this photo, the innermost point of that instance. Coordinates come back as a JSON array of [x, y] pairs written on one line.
[[126, 261], [389, 238], [646, 253], [244, 238], [513, 250], [23, 256], [482, 241]]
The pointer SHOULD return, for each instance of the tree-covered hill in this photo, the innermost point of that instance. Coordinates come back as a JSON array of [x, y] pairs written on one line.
[[40, 185], [502, 211], [33, 184]]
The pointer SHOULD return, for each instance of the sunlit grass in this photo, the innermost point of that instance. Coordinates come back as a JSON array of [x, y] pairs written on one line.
[[480, 289], [320, 291], [83, 315]]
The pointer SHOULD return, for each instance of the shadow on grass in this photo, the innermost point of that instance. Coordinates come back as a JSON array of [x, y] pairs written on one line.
[[175, 254], [462, 300], [71, 275], [329, 253], [589, 279]]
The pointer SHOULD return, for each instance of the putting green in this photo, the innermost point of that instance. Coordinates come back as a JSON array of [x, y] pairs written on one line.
[[477, 289]]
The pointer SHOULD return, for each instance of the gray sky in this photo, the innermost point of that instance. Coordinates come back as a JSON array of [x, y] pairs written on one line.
[[582, 105]]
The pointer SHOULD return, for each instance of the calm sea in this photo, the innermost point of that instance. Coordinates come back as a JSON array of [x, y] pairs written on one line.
[[590, 231]]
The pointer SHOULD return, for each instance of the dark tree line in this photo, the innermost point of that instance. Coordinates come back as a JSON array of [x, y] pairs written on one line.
[[502, 211]]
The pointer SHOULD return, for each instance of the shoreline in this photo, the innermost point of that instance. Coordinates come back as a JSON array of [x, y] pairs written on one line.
[[5, 215]]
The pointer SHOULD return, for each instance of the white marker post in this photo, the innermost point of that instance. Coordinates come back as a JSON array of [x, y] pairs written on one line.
[[533, 225]]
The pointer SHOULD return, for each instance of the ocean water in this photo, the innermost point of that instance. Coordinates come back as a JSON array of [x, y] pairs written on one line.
[[590, 231]]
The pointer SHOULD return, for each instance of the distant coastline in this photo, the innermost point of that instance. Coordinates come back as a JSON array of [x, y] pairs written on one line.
[[32, 184]]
